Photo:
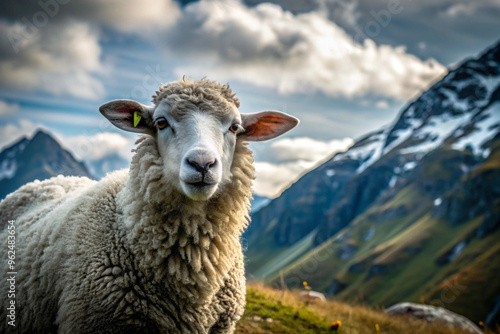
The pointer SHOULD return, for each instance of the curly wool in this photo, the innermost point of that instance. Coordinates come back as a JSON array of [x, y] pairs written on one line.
[[197, 92], [129, 253], [194, 243]]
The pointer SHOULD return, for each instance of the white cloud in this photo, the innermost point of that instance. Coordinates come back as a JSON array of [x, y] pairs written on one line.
[[133, 16], [286, 159], [307, 149], [270, 179], [303, 53], [8, 109], [97, 146], [13, 132], [62, 58], [61, 54], [460, 9], [382, 104]]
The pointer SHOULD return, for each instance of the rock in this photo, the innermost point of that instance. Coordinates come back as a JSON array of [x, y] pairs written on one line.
[[256, 318], [269, 320], [434, 314], [313, 295]]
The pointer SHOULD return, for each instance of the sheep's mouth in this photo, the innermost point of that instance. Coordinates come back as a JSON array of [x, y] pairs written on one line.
[[200, 190], [200, 184]]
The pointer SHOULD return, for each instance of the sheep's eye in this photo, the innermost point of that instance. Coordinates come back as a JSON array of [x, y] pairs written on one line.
[[161, 123], [234, 128]]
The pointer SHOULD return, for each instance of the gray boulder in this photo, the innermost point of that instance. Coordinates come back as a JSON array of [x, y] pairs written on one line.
[[434, 314]]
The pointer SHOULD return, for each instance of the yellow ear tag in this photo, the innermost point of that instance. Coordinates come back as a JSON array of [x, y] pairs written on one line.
[[137, 118]]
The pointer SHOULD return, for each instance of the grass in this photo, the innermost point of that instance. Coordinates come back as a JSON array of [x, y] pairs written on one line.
[[276, 311]]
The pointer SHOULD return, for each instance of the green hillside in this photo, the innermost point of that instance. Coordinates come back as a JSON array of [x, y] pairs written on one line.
[[271, 311], [402, 251]]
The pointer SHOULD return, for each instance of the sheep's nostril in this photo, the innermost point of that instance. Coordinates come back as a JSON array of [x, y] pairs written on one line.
[[196, 165], [201, 167], [210, 164]]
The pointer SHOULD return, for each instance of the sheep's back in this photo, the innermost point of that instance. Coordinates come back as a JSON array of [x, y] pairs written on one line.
[[40, 196], [44, 228]]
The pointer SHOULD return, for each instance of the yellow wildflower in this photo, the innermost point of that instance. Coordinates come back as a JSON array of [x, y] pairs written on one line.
[[335, 326]]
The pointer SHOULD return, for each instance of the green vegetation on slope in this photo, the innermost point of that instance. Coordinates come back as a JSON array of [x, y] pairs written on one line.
[[272, 311]]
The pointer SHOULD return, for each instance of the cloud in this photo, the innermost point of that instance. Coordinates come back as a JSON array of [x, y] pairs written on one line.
[[8, 109], [270, 179], [459, 9], [13, 132], [131, 16], [306, 149], [450, 33], [305, 53], [382, 104], [62, 58], [51, 47], [285, 160], [97, 146]]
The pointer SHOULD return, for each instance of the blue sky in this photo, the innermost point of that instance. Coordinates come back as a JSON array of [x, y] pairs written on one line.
[[344, 68]]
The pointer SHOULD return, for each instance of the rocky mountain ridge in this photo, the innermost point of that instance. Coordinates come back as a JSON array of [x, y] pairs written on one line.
[[424, 188], [40, 157]]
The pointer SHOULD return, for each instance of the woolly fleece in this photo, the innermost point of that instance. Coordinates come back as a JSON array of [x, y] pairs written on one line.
[[129, 254]]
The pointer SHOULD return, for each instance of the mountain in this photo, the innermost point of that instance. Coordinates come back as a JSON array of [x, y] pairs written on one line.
[[40, 157], [258, 202], [409, 213]]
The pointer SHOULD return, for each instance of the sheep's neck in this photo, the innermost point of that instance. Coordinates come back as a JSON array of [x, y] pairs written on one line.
[[191, 243]]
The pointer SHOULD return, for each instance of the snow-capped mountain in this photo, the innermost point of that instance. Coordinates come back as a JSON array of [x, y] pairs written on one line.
[[40, 157], [416, 192]]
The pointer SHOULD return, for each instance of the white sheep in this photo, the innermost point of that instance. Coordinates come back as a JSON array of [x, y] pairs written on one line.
[[155, 249]]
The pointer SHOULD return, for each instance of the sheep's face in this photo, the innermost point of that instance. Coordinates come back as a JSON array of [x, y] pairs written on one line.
[[197, 146], [197, 141]]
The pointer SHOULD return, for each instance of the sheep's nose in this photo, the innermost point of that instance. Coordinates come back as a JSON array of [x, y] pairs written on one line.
[[201, 166], [201, 160]]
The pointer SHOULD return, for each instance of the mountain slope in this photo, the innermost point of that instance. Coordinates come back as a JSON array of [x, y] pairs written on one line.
[[40, 157], [283, 311], [418, 204]]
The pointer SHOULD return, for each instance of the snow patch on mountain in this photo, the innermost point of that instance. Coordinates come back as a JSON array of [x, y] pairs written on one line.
[[7, 169], [330, 172], [454, 101], [365, 148], [404, 134], [434, 133], [8, 165], [409, 166], [376, 150], [484, 130]]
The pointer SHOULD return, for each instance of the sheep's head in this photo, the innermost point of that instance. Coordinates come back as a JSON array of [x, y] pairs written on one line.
[[197, 125]]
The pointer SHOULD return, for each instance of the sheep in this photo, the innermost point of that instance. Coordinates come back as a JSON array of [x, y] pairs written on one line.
[[152, 249]]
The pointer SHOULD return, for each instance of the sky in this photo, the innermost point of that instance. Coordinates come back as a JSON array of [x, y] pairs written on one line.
[[344, 68]]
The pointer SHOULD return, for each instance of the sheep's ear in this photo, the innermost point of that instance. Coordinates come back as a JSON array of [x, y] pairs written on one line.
[[129, 115], [266, 125]]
